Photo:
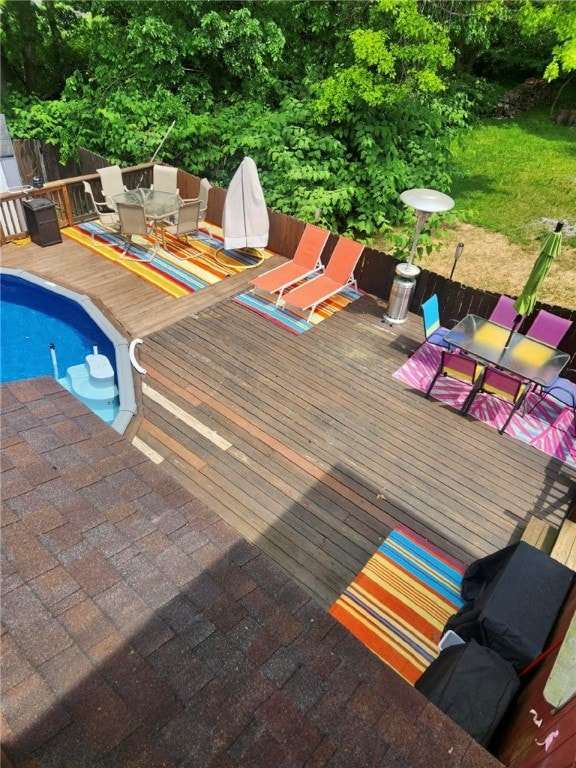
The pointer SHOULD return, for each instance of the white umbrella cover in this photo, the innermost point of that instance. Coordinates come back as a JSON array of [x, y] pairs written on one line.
[[245, 222]]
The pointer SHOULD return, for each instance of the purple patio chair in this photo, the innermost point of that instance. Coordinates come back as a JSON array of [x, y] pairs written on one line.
[[504, 386], [505, 314], [563, 390], [548, 328]]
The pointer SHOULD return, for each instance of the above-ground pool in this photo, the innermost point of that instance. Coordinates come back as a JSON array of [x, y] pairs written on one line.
[[48, 330]]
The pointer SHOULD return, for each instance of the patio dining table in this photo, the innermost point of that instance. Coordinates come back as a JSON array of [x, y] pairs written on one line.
[[157, 205], [515, 352]]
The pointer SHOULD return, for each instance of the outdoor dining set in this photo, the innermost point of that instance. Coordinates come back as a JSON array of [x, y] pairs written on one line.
[[491, 356], [143, 211]]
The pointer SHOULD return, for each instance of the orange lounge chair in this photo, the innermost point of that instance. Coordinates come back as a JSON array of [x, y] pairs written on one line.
[[306, 262], [339, 274]]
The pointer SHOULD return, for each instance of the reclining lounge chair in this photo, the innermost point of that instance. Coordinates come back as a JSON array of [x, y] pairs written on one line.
[[306, 262], [338, 275]]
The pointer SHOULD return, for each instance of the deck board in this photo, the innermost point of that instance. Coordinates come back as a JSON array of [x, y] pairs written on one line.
[[328, 451]]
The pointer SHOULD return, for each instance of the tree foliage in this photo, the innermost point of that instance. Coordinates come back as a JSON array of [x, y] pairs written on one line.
[[559, 21], [342, 105], [38, 46]]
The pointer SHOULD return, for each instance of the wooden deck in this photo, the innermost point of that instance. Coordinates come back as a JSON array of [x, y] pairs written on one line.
[[306, 444]]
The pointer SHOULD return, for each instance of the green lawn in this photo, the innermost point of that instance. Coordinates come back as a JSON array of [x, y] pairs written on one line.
[[510, 173]]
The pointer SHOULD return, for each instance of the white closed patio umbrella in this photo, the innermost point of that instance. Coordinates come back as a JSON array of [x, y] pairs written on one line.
[[245, 221]]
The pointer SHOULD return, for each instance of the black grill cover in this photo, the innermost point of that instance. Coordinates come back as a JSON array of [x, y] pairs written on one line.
[[512, 600], [473, 685]]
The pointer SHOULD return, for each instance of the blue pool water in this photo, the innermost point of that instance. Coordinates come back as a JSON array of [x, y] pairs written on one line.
[[32, 318]]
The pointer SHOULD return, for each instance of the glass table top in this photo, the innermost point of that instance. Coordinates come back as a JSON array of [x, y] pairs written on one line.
[[513, 351], [156, 204]]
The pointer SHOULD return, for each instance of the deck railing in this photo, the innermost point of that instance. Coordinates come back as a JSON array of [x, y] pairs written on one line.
[[375, 271], [68, 197]]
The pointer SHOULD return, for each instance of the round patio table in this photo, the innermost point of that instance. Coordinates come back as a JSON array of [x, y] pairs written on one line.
[[157, 205]]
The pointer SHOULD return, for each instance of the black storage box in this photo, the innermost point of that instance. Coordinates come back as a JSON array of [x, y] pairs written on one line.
[[41, 221], [473, 685]]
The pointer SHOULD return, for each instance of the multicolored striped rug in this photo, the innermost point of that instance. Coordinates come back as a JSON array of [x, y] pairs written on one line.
[[291, 321], [400, 601], [548, 427], [167, 272]]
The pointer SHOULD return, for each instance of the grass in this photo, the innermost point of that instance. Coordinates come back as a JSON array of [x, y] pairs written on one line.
[[512, 180], [509, 175]]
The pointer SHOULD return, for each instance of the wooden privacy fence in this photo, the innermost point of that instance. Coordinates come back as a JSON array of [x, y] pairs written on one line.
[[375, 271], [37, 158]]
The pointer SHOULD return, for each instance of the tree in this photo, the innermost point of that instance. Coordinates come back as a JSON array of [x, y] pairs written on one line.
[[510, 38], [401, 54], [559, 19], [370, 117], [39, 46], [472, 26]]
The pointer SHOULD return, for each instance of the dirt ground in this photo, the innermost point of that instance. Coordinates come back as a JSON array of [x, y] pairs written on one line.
[[489, 261]]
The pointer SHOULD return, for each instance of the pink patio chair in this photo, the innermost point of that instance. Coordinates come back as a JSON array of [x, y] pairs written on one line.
[[457, 365], [505, 314], [338, 275], [548, 328], [306, 262], [505, 387]]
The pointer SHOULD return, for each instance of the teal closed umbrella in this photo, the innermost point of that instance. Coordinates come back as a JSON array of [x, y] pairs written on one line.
[[524, 304]]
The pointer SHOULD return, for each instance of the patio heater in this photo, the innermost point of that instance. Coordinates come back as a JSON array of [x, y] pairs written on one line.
[[424, 202]]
